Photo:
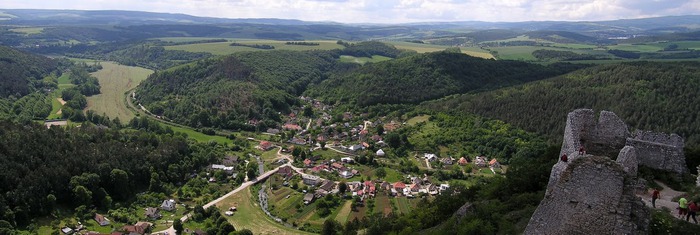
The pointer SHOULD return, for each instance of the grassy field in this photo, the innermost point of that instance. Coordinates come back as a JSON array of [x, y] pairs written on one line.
[[392, 175], [423, 48], [363, 60], [115, 80], [417, 119], [250, 216], [654, 47], [28, 30], [63, 83], [223, 48], [198, 136], [344, 212]]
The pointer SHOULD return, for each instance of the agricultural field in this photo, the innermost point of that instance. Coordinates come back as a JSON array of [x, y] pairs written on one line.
[[27, 30], [115, 80], [654, 47], [363, 60], [223, 48], [423, 48]]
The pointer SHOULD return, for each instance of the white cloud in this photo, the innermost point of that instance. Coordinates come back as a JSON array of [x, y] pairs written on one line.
[[389, 11]]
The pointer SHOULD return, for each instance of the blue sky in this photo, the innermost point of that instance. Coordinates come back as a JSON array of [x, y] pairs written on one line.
[[388, 11]]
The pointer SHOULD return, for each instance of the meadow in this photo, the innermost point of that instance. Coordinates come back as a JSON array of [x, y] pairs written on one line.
[[28, 30], [363, 60], [223, 48], [115, 80], [423, 48]]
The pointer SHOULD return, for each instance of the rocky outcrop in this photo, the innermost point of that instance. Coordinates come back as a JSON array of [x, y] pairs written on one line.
[[592, 196]]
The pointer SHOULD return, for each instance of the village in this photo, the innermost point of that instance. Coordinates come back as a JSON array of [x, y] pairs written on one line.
[[345, 157]]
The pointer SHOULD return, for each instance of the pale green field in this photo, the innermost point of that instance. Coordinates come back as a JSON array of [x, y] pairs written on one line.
[[223, 48], [115, 80], [525, 52], [28, 30], [250, 216], [423, 48], [417, 119], [363, 60], [63, 83]]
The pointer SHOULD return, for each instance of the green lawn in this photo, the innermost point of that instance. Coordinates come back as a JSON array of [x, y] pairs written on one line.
[[28, 30], [115, 80], [392, 175], [198, 136], [417, 119], [344, 212]]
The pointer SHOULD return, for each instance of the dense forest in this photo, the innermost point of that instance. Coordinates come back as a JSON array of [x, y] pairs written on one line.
[[22, 73], [647, 95], [227, 92], [428, 76], [105, 166]]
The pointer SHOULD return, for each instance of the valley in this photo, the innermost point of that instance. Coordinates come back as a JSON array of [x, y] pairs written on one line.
[[120, 122]]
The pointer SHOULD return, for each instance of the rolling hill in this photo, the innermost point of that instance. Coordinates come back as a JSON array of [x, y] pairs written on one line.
[[647, 95]]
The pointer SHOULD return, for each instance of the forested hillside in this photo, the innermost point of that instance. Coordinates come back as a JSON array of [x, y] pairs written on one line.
[[87, 168], [229, 91], [428, 76], [22, 73], [647, 95]]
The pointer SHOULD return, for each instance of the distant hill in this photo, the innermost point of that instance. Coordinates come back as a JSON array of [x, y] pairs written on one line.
[[428, 76], [229, 91], [647, 95], [22, 72], [562, 37]]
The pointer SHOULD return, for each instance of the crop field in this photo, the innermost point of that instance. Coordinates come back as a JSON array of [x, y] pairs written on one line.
[[223, 48], [250, 216], [115, 80], [363, 60], [344, 212], [423, 48], [28, 30]]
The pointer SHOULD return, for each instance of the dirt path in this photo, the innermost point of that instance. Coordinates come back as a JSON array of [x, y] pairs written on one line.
[[665, 200]]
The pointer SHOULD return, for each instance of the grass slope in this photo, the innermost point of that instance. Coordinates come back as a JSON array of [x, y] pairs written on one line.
[[223, 48], [115, 80]]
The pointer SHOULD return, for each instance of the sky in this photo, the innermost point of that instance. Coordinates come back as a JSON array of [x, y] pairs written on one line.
[[388, 11]]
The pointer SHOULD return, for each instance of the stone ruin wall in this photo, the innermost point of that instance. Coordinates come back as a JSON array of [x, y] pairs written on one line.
[[610, 134]]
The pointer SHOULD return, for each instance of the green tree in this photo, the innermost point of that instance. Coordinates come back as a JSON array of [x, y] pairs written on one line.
[[177, 225], [331, 227], [342, 187], [82, 196], [380, 172], [120, 183]]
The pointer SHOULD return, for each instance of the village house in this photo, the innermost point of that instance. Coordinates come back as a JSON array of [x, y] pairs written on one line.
[[354, 185], [227, 169], [337, 166], [297, 141], [430, 156], [152, 213], [287, 172], [230, 161], [273, 131], [444, 187], [265, 145], [327, 187], [448, 161], [101, 220], [480, 161], [347, 160], [138, 228], [168, 205], [398, 188], [307, 162], [346, 174], [494, 163], [463, 161], [355, 148], [291, 126], [310, 179]]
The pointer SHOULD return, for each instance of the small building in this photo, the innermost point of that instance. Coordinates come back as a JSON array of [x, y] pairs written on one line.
[[480, 161], [380, 153], [356, 147], [494, 163], [168, 205], [67, 230], [228, 213], [265, 145], [273, 131], [347, 160], [308, 198], [101, 220], [448, 161], [430, 156], [346, 174], [463, 161], [152, 213], [444, 187], [307, 162]]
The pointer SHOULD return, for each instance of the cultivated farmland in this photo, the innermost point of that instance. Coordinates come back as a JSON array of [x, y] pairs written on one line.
[[115, 80]]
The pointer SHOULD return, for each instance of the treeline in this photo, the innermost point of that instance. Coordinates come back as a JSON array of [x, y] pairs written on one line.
[[428, 76], [22, 73], [227, 92], [368, 49], [257, 46], [303, 43], [87, 167], [171, 43], [544, 54], [666, 54], [646, 95]]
